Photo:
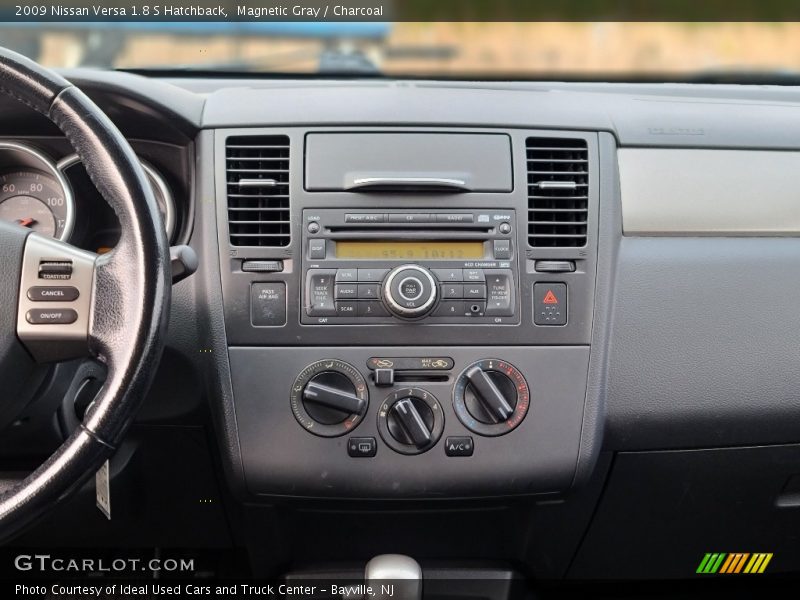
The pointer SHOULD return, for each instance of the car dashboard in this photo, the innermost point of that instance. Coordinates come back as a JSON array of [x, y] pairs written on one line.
[[521, 317]]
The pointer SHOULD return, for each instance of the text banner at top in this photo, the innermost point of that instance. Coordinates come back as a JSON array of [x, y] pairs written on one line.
[[399, 10]]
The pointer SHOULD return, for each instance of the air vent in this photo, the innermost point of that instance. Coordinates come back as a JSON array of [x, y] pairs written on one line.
[[558, 191], [257, 172]]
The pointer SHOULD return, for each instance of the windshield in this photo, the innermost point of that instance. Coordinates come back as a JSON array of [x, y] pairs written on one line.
[[526, 50]]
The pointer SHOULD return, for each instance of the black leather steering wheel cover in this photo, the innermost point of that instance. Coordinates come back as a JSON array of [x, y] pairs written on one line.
[[133, 281]]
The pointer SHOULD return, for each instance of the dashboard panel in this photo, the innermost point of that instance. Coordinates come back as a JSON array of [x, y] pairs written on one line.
[[643, 307]]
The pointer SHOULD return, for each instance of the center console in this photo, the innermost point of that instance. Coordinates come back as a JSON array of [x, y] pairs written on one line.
[[408, 311]]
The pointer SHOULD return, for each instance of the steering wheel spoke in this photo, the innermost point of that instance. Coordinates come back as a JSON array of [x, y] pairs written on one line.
[[55, 299]]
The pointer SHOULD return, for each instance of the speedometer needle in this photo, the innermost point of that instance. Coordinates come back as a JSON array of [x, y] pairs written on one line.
[[26, 222]]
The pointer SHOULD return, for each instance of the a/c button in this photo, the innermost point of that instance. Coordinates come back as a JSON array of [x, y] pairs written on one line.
[[459, 446]]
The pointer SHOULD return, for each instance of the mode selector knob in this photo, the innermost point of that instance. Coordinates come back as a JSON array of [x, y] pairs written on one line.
[[410, 420], [409, 291]]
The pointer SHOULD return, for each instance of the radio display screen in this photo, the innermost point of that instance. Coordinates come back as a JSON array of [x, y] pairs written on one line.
[[404, 250]]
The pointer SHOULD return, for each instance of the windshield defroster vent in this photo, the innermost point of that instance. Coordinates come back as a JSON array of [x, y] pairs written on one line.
[[558, 191], [257, 175]]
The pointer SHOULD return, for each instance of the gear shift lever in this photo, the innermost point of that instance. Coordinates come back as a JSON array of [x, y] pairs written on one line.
[[398, 570]]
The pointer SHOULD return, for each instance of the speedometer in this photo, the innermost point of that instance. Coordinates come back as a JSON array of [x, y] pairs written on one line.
[[36, 200]]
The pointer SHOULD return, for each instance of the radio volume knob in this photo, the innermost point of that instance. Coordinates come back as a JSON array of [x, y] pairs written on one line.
[[409, 291]]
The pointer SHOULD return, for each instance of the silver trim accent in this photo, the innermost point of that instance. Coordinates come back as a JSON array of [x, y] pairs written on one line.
[[69, 198], [156, 179], [709, 192], [446, 182], [257, 182], [47, 342], [401, 310], [393, 567], [557, 185]]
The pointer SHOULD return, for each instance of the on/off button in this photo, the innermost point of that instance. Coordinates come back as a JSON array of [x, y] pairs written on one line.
[[51, 316], [410, 288]]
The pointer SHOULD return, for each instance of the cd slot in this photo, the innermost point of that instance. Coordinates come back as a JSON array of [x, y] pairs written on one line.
[[405, 229]]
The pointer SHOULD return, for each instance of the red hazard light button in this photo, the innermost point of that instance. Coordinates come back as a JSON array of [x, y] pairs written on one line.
[[550, 303]]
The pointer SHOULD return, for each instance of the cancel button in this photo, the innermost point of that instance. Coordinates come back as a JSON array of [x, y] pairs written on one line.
[[52, 316], [48, 293]]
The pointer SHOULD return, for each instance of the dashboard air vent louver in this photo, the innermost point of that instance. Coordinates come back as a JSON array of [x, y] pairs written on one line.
[[257, 173], [558, 191]]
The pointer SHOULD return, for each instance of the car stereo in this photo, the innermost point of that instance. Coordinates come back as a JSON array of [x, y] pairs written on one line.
[[368, 267]]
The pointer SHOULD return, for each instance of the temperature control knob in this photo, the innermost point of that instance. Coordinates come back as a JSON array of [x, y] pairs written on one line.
[[329, 398], [409, 291], [491, 397], [410, 421]]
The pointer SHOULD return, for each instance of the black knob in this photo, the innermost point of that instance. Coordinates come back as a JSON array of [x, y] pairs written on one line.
[[409, 291], [329, 398], [410, 421], [491, 396]]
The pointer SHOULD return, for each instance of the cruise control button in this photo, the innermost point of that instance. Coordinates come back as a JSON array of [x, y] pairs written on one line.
[[51, 316], [42, 293]]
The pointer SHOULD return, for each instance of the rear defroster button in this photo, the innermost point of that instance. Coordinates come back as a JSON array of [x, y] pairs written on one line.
[[51, 316]]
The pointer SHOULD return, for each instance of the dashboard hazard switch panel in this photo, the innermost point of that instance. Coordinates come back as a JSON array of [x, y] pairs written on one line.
[[550, 303]]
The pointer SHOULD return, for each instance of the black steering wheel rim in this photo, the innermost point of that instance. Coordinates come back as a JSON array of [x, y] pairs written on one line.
[[130, 290]]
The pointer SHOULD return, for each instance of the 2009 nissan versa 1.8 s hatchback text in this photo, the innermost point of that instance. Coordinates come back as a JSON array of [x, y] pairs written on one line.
[[399, 309]]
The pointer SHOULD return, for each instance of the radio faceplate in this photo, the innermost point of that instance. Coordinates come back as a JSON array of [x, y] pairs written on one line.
[[392, 266]]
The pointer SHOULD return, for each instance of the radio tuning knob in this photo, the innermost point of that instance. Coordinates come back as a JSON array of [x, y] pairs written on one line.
[[409, 291]]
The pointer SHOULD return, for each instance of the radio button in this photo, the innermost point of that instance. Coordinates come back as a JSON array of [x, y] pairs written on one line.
[[346, 275], [474, 290], [372, 309], [450, 308], [500, 290], [447, 275], [455, 218], [368, 291], [346, 291], [365, 218], [319, 288], [474, 275], [452, 291], [346, 309], [410, 218], [502, 249], [316, 249], [372, 274]]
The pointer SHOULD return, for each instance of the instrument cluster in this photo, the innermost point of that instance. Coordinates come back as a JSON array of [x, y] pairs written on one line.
[[57, 199]]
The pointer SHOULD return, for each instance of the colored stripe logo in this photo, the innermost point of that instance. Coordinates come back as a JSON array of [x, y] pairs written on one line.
[[734, 562]]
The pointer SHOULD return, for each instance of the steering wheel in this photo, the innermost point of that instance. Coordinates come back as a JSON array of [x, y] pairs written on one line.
[[119, 315]]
